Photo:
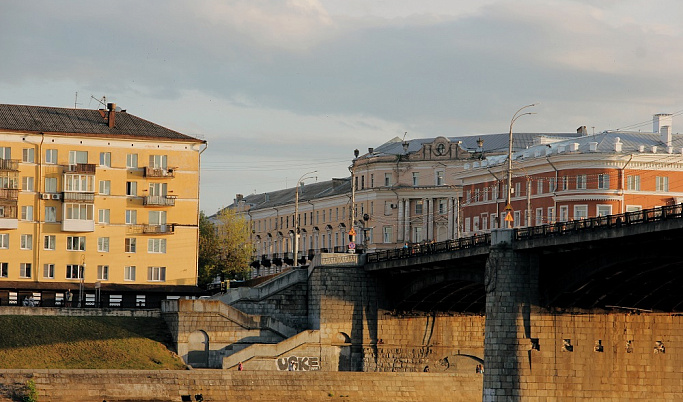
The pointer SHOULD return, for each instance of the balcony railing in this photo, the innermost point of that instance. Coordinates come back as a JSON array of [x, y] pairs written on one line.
[[88, 168], [9, 164], [159, 200], [9, 194], [79, 197], [151, 229], [151, 172]]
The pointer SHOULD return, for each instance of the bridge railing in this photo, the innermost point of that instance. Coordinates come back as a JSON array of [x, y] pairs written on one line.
[[416, 250], [608, 221]]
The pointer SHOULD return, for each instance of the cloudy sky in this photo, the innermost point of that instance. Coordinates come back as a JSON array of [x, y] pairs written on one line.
[[282, 87]]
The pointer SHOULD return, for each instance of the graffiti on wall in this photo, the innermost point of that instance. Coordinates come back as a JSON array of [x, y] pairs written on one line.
[[311, 363]]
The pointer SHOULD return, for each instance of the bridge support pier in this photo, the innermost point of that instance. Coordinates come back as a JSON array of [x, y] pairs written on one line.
[[511, 282]]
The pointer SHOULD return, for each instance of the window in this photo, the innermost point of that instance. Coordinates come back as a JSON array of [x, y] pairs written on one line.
[[388, 234], [417, 234], [80, 211], [4, 240], [518, 189], [539, 186], [565, 183], [156, 246], [494, 221], [603, 210], [539, 216], [103, 215], [581, 182], [156, 274], [79, 183], [105, 159], [440, 178], [105, 187], [156, 189], [551, 214], [49, 242], [103, 272], [130, 244], [603, 181], [27, 183], [78, 157], [103, 244], [494, 192], [129, 273], [157, 161], [74, 271], [4, 269], [468, 196], [26, 242], [50, 184], [27, 213], [51, 156], [580, 212], [633, 183], [75, 243], [475, 223], [49, 271], [132, 188], [662, 183], [416, 178], [159, 218], [5, 153], [418, 207], [50, 214], [28, 155], [476, 195], [564, 213], [517, 218], [25, 270], [132, 160], [387, 179], [486, 193], [484, 221], [443, 208], [468, 222], [551, 184], [131, 217]]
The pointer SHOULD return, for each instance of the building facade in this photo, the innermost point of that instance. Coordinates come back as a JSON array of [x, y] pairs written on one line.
[[98, 202]]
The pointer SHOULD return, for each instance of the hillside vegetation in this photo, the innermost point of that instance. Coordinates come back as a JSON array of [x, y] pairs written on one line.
[[39, 342]]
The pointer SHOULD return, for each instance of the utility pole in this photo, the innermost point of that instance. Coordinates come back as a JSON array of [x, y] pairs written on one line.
[[516, 116]]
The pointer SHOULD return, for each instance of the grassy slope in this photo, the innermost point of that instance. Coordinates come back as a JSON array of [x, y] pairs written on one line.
[[85, 342]]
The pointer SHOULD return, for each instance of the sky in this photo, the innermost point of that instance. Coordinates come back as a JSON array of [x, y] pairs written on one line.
[[279, 88]]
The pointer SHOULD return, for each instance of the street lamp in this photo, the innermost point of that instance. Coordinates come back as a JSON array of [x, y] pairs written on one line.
[[81, 284], [352, 212], [296, 215], [516, 116]]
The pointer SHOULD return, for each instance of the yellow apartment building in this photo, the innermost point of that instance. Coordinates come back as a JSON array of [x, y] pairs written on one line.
[[100, 204]]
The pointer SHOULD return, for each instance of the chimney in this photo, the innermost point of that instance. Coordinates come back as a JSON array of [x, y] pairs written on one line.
[[238, 198], [582, 130], [665, 135], [111, 108]]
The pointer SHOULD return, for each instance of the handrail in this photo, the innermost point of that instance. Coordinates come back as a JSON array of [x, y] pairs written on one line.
[[416, 250]]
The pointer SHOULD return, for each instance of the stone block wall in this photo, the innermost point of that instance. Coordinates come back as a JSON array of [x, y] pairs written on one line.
[[290, 305]]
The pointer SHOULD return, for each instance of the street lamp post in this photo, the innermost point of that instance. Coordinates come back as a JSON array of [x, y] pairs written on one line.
[[352, 212], [81, 284], [296, 215], [516, 116]]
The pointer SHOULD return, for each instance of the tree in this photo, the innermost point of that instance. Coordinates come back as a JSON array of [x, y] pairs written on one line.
[[225, 247]]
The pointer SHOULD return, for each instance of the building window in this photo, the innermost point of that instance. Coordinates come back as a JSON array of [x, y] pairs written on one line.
[[565, 183], [440, 178], [28, 155], [129, 273], [417, 234], [26, 242], [564, 213], [475, 224], [388, 234], [25, 270], [50, 184], [633, 183], [4, 240], [105, 159], [539, 186], [581, 182], [103, 244], [551, 184], [130, 244], [49, 271], [75, 243], [486, 193], [50, 242], [372, 180], [27, 213], [156, 246], [484, 221], [103, 215], [158, 161], [157, 189], [443, 208], [494, 192], [387, 179], [5, 153], [518, 189], [468, 196], [551, 214], [80, 211], [105, 187], [103, 272], [4, 269], [603, 210], [27, 183], [539, 216], [468, 222], [51, 156], [74, 271], [131, 217], [662, 183], [132, 188], [494, 221], [78, 157], [416, 179], [603, 181], [418, 207], [580, 212], [517, 218], [156, 274], [132, 160], [159, 218], [476, 195], [79, 183]]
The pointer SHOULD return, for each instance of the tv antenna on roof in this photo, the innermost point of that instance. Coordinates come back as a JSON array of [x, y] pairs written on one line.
[[102, 101]]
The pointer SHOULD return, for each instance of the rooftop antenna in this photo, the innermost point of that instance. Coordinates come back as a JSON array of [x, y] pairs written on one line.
[[102, 101], [76, 101]]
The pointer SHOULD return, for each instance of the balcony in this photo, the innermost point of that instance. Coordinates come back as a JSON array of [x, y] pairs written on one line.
[[79, 197], [9, 193], [8, 216], [159, 200], [159, 173], [9, 164], [151, 229], [78, 225], [87, 168]]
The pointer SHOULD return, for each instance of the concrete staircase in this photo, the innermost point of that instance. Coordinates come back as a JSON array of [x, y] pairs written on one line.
[[264, 290], [271, 351]]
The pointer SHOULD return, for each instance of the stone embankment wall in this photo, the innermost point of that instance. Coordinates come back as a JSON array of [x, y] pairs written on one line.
[[80, 312], [219, 385]]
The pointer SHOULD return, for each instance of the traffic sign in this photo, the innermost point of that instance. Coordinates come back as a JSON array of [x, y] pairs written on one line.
[[508, 217], [352, 246], [508, 207], [352, 232]]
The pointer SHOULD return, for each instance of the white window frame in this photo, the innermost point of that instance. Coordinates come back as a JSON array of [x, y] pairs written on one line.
[[27, 212], [4, 269], [28, 155], [51, 156], [387, 180], [27, 183], [25, 270], [26, 242], [603, 210], [76, 211], [131, 217], [105, 159], [103, 272], [603, 181], [75, 243], [132, 161], [440, 179], [50, 184], [79, 183], [50, 242], [129, 273], [581, 181], [158, 161], [157, 246], [564, 213], [156, 274], [416, 179], [551, 215], [539, 216], [103, 215], [76, 157], [580, 211], [132, 188], [4, 241], [130, 245], [388, 234], [103, 244], [74, 271], [662, 183], [49, 271], [105, 187]]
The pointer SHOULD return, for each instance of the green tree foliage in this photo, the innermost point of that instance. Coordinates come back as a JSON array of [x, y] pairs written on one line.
[[225, 247]]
